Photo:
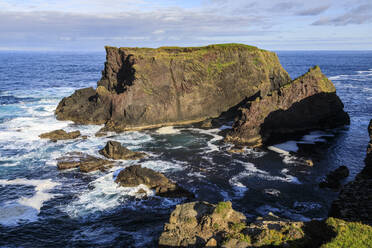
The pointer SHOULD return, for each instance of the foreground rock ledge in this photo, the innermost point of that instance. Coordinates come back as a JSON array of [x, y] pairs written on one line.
[[309, 102], [115, 150], [201, 224], [144, 87], [135, 175]]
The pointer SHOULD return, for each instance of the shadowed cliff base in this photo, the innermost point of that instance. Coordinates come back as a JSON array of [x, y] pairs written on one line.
[[307, 103], [355, 200]]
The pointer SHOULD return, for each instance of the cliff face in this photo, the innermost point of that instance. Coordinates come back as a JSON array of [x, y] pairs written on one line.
[[143, 87], [309, 102], [355, 200]]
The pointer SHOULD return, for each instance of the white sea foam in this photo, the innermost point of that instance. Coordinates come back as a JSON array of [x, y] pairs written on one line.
[[167, 130], [26, 208], [196, 174], [105, 195], [215, 137], [285, 148], [272, 192], [251, 170], [164, 166]]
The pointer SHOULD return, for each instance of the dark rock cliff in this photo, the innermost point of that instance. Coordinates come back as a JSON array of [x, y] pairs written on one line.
[[309, 102], [355, 200], [143, 87]]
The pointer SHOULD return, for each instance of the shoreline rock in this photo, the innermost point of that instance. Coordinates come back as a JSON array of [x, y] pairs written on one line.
[[86, 163], [114, 150], [135, 175], [307, 103], [60, 135], [354, 202], [333, 179], [202, 224], [147, 88]]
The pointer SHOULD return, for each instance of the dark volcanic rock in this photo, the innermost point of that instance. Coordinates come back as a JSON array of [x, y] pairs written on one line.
[[60, 135], [115, 150], [309, 102], [85, 162], [135, 175], [355, 200], [334, 178], [144, 88]]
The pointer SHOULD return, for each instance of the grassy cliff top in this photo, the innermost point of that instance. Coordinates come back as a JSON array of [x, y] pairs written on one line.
[[175, 49]]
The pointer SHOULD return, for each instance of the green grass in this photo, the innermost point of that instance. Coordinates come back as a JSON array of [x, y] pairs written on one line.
[[222, 207], [349, 234], [189, 49]]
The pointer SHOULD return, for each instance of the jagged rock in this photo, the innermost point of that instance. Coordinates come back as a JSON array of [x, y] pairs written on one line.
[[146, 88], [354, 202], [115, 150], [194, 224], [307, 103], [266, 231], [85, 162], [135, 175], [60, 135], [207, 123], [201, 224], [333, 179]]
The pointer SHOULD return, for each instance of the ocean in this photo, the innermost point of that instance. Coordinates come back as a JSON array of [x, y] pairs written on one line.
[[43, 207]]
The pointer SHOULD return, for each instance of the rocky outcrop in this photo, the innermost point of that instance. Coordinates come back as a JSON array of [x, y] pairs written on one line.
[[355, 200], [333, 179], [115, 150], [60, 135], [197, 224], [85, 162], [135, 175], [307, 103], [201, 224], [144, 88]]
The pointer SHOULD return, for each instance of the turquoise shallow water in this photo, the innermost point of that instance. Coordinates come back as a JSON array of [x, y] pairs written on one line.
[[40, 206]]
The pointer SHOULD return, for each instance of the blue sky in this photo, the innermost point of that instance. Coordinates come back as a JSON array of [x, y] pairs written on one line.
[[89, 25]]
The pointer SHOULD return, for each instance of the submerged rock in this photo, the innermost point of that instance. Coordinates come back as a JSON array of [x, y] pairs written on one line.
[[60, 135], [146, 88], [115, 150], [307, 103], [333, 179], [354, 202], [135, 175], [85, 162]]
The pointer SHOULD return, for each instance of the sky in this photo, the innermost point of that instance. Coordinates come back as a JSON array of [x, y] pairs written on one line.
[[89, 25]]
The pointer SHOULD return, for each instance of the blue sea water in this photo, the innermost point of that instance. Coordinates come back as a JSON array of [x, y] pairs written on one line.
[[43, 207]]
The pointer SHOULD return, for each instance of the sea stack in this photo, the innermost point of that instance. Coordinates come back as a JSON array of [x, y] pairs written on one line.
[[145, 87]]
